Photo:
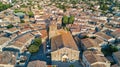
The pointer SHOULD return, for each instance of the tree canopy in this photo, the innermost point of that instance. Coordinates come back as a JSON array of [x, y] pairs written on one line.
[[22, 21], [67, 20], [71, 65], [10, 26], [4, 6], [30, 14], [71, 19], [109, 50], [37, 41], [34, 47], [18, 10]]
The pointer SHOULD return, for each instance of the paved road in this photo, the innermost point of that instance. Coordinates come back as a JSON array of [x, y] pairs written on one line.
[[40, 55]]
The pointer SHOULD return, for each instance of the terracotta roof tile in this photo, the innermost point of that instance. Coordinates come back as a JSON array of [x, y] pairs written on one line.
[[43, 33], [37, 63], [93, 57], [63, 39], [103, 35], [3, 40], [7, 58], [88, 43]]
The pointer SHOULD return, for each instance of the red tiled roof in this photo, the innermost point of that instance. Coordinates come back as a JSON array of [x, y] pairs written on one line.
[[88, 43], [93, 57], [64, 39], [37, 63]]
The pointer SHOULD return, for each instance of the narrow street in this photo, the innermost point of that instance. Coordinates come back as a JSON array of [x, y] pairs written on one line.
[[40, 55]]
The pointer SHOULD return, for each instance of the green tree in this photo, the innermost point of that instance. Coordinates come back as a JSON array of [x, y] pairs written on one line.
[[71, 65], [4, 6], [63, 7], [23, 6], [65, 20], [30, 14], [39, 7], [104, 7], [33, 48], [10, 26], [71, 19], [22, 21], [37, 41], [113, 48], [18, 10], [109, 50]]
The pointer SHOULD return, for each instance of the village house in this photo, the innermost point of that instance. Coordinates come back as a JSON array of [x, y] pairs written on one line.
[[32, 20], [11, 19], [115, 65], [52, 30], [38, 14], [25, 9], [41, 33], [37, 26], [4, 24], [116, 34], [12, 30], [82, 19], [2, 29], [2, 15], [24, 30], [37, 63], [99, 41], [74, 28], [63, 47], [26, 18], [95, 59], [89, 44], [44, 35], [40, 22], [59, 21], [115, 23], [21, 43], [16, 19], [105, 37], [4, 42], [36, 33], [24, 25], [7, 59]]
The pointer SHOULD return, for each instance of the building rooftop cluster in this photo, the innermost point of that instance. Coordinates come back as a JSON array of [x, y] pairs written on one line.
[[80, 34]]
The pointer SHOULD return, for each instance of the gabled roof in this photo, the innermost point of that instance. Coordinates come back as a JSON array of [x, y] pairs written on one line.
[[3, 40], [98, 40], [88, 43], [103, 35], [116, 33], [20, 42], [12, 30], [64, 39], [37, 63], [7, 57], [94, 57]]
